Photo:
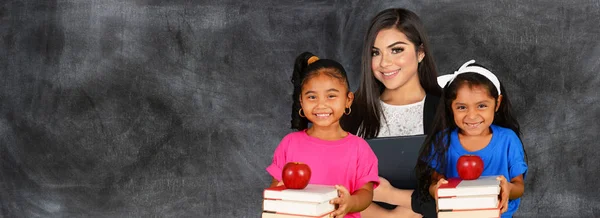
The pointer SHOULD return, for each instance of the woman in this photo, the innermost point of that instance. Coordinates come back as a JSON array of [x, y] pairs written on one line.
[[397, 96]]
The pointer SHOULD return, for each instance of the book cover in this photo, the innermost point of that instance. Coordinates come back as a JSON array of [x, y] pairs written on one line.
[[468, 202], [484, 185], [312, 193], [298, 207]]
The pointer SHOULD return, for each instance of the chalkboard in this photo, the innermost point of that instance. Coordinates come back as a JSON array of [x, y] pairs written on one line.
[[173, 108]]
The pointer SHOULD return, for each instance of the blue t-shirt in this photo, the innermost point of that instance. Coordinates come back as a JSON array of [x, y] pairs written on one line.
[[504, 155]]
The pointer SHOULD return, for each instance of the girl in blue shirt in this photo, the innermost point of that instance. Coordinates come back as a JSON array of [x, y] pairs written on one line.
[[474, 117]]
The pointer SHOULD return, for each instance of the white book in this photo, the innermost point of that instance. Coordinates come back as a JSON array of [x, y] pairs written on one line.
[[312, 193], [298, 207], [477, 213], [484, 185], [285, 215], [468, 202]]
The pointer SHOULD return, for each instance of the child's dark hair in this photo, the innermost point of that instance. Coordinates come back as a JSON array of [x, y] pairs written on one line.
[[365, 121], [444, 125], [306, 66]]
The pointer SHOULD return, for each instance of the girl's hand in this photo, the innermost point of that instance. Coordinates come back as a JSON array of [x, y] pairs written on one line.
[[344, 202], [433, 191], [437, 185], [275, 183], [504, 193]]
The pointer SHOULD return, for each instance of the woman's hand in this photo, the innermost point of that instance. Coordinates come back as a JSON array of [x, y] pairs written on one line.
[[382, 190]]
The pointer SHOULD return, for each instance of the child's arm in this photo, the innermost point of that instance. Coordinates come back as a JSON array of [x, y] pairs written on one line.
[[356, 202], [362, 197], [517, 187], [517, 166]]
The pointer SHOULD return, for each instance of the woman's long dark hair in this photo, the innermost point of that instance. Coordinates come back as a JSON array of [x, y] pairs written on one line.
[[304, 71], [365, 119], [436, 145]]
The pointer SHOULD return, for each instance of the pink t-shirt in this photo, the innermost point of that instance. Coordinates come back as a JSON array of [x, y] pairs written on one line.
[[349, 161]]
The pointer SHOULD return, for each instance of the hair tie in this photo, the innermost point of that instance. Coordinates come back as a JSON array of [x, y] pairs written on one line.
[[465, 68], [312, 59]]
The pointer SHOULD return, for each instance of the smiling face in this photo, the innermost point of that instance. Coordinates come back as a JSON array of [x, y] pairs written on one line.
[[395, 59], [474, 110], [324, 99]]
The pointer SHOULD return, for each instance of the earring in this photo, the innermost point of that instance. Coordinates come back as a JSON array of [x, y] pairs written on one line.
[[300, 113], [349, 111]]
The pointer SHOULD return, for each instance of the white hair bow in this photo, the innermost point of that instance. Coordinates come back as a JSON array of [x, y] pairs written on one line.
[[465, 68]]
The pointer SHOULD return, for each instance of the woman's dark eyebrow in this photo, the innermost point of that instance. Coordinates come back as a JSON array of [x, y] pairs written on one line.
[[396, 43], [392, 45]]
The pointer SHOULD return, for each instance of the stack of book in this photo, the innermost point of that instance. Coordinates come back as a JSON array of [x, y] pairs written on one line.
[[312, 201], [469, 198]]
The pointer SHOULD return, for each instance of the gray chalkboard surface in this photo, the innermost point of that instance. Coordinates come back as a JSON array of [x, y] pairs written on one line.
[[150, 108]]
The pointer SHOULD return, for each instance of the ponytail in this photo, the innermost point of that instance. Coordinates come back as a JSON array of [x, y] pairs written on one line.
[[300, 66]]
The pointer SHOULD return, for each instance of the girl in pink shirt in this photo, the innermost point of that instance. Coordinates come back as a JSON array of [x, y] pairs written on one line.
[[321, 97]]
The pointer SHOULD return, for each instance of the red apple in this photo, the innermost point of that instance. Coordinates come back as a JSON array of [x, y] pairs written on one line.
[[469, 167], [295, 175]]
